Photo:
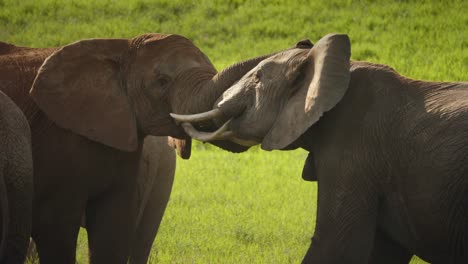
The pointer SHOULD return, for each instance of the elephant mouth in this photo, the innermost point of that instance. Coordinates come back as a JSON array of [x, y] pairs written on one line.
[[166, 127], [224, 132]]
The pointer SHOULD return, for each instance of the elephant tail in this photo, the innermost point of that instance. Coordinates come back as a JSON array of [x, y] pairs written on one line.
[[4, 210]]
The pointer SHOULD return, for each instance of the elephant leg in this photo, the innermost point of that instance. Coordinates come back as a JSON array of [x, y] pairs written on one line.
[[110, 222], [387, 251], [19, 185], [56, 227], [345, 226], [155, 206]]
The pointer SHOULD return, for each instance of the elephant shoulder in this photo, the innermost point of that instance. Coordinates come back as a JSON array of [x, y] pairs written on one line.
[[373, 73], [369, 67], [8, 107], [13, 123]]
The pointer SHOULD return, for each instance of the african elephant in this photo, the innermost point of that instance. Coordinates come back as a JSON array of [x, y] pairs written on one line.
[[16, 182], [390, 153], [154, 184], [90, 104]]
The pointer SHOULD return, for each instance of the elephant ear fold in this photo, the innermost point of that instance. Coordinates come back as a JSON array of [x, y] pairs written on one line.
[[325, 83], [183, 147], [78, 88]]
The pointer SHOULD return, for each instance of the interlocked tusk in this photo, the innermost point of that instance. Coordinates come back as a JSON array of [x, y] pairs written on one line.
[[212, 114], [221, 134], [242, 142]]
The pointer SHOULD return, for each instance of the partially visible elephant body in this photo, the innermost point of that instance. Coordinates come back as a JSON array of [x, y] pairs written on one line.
[[391, 161], [74, 174], [390, 153], [154, 184], [16, 182]]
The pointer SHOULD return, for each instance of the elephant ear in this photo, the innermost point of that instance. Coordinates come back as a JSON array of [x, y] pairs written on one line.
[[325, 82], [78, 88]]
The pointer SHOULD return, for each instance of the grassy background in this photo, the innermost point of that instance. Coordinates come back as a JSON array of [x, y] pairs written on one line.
[[253, 207]]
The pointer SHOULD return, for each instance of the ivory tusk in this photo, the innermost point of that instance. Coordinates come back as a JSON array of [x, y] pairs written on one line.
[[220, 134], [243, 142], [198, 117]]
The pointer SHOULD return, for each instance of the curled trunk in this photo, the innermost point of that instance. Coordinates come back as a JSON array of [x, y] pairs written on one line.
[[208, 93]]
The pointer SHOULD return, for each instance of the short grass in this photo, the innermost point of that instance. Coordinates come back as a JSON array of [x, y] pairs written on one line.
[[252, 207]]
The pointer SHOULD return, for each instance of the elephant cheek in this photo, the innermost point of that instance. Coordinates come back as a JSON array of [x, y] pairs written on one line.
[[247, 129], [166, 128]]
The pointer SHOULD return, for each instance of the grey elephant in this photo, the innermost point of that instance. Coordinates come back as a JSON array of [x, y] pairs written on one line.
[[90, 104], [16, 182], [390, 153]]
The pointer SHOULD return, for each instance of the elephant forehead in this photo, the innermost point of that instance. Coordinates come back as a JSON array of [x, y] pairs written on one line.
[[175, 66], [154, 37], [277, 65], [285, 58], [171, 58]]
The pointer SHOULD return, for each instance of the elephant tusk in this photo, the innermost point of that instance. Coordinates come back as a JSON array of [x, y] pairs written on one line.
[[212, 114], [243, 142], [221, 134]]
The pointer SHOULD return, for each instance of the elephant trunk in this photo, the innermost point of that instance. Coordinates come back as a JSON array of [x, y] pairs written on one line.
[[226, 78], [208, 86], [210, 91]]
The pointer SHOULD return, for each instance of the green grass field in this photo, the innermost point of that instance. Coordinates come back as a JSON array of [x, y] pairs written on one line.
[[251, 207]]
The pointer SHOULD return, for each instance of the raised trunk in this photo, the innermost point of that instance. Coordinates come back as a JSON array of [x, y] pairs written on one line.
[[208, 86]]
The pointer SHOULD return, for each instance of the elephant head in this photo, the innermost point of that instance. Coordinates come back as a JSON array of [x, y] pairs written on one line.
[[279, 99], [116, 91]]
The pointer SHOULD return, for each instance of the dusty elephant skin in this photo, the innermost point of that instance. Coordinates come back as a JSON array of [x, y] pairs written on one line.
[[16, 182], [90, 107], [154, 184], [390, 153]]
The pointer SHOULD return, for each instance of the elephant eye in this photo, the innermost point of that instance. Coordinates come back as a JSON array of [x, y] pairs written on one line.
[[258, 75], [163, 80]]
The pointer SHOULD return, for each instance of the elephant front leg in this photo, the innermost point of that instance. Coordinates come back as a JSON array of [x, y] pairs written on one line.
[[56, 223], [346, 223], [110, 222], [152, 213], [387, 251]]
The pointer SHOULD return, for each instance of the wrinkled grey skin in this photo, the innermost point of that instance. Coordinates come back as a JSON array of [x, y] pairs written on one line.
[[390, 153], [16, 182]]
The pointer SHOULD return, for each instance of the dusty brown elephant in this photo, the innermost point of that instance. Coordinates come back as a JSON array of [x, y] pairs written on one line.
[[154, 184], [16, 182], [390, 153], [90, 106]]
